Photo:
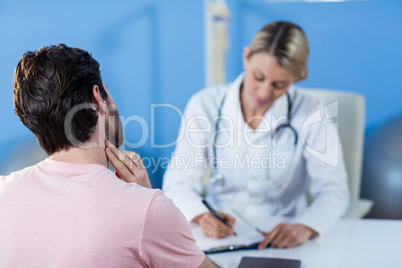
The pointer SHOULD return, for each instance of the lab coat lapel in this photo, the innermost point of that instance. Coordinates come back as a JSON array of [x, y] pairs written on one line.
[[231, 107]]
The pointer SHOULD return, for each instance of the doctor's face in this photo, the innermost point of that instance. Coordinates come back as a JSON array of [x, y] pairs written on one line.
[[264, 82]]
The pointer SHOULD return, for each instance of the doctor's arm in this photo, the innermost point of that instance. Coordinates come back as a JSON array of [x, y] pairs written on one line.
[[325, 166], [183, 180], [329, 181], [183, 183], [185, 190]]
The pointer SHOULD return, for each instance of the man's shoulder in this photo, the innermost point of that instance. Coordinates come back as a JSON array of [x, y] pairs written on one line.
[[16, 175], [118, 191], [139, 192], [102, 182], [155, 198]]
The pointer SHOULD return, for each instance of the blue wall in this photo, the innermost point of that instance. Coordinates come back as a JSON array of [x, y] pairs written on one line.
[[152, 52], [149, 51], [354, 46]]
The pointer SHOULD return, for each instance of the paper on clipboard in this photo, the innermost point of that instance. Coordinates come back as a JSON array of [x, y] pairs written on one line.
[[246, 237]]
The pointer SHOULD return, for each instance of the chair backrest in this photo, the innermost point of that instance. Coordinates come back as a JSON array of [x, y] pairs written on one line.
[[351, 124]]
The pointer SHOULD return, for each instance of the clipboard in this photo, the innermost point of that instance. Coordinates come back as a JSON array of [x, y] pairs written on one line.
[[230, 248], [247, 238]]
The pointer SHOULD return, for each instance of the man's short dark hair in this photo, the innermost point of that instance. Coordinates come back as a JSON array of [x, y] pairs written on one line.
[[48, 83]]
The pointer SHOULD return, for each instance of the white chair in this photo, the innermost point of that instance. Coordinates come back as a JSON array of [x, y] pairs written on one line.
[[351, 124]]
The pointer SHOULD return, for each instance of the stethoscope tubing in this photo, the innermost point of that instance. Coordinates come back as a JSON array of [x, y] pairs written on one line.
[[284, 125]]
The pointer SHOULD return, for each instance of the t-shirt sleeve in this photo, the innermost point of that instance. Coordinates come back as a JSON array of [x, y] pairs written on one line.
[[166, 239]]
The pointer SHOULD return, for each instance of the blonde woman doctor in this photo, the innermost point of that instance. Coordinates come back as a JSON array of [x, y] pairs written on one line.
[[260, 140]]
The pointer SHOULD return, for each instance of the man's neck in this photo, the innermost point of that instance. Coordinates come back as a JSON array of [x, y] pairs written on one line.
[[77, 155]]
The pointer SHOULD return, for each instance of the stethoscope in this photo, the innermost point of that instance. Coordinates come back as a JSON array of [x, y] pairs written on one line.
[[216, 176]]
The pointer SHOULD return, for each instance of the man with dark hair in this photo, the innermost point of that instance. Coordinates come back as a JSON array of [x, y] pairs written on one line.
[[70, 210], [49, 85]]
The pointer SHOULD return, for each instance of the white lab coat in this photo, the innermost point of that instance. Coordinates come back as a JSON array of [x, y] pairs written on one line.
[[262, 172]]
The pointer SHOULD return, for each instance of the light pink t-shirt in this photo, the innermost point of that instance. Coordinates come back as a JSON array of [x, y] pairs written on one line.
[[58, 214]]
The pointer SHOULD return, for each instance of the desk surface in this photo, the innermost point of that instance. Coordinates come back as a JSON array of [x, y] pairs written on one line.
[[349, 243]]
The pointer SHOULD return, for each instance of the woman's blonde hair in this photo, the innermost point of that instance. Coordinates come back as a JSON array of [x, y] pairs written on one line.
[[287, 43]]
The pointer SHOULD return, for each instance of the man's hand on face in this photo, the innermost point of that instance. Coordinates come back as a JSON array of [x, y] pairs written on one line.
[[129, 166]]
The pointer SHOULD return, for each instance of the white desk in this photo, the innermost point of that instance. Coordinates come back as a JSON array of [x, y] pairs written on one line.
[[349, 243]]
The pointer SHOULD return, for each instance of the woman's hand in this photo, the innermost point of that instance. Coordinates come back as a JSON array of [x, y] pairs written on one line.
[[287, 236], [128, 165], [213, 227]]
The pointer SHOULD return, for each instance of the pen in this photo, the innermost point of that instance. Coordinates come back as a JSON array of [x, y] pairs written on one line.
[[216, 215]]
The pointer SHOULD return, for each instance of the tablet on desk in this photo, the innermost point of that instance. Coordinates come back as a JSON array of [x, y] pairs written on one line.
[[259, 262]]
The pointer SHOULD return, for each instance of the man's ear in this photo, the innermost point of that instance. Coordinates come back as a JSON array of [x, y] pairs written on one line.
[[98, 101], [246, 53]]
